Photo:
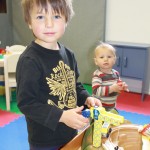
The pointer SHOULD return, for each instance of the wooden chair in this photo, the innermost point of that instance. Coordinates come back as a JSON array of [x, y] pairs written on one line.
[[15, 48], [10, 63]]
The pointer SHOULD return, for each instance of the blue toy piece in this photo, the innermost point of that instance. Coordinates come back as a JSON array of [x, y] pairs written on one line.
[[86, 113], [96, 113]]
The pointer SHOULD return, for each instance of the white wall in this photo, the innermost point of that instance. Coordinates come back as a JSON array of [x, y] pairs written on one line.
[[128, 21]]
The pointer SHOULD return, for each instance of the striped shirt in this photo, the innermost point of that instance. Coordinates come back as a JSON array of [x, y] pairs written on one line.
[[100, 87]]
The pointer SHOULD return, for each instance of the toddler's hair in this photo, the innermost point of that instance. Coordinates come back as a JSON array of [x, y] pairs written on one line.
[[105, 46]]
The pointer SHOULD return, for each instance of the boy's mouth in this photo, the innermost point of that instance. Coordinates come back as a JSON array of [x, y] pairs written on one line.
[[49, 33]]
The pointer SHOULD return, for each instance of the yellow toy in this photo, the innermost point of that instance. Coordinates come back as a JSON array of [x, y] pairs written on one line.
[[100, 115], [106, 129]]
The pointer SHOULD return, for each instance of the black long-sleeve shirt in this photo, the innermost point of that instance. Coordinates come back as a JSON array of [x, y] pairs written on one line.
[[47, 85]]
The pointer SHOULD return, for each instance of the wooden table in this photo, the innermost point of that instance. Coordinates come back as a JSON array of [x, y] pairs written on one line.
[[75, 144]]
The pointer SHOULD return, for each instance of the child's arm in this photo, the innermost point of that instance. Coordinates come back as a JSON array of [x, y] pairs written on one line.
[[99, 89]]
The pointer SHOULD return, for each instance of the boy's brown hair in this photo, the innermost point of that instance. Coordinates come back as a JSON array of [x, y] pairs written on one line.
[[63, 7]]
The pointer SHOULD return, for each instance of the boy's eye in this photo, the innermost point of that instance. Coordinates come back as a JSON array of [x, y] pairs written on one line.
[[109, 56], [101, 57], [40, 17], [57, 17]]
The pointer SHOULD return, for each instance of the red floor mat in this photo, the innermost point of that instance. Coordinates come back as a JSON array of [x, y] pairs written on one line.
[[132, 102], [7, 117]]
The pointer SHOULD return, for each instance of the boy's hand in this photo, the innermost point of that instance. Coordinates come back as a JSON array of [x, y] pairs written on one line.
[[73, 118], [92, 101]]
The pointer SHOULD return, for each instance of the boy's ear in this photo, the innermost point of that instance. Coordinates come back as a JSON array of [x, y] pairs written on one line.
[[29, 26]]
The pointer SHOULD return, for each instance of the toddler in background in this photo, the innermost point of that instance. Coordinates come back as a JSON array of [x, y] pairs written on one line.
[[106, 82]]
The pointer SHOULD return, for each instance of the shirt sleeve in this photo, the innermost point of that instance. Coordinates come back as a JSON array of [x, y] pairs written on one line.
[[97, 86], [28, 88]]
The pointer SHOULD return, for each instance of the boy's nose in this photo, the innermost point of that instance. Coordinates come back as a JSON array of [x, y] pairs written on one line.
[[49, 22]]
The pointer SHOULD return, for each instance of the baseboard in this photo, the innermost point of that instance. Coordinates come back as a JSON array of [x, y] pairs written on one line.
[[135, 85]]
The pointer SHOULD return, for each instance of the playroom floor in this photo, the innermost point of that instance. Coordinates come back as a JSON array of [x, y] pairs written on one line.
[[13, 131]]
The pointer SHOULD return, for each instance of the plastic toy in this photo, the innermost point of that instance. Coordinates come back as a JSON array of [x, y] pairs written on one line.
[[145, 130], [100, 115], [106, 129]]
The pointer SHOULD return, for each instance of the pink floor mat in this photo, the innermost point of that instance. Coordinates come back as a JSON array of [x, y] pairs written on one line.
[[7, 117]]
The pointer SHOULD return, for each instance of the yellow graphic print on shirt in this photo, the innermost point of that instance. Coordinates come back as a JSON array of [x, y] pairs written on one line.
[[62, 84]]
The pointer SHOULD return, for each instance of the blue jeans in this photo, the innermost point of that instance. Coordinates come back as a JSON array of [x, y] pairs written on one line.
[[44, 148]]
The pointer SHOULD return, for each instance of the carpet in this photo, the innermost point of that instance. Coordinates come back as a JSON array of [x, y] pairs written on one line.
[[135, 118], [7, 117], [131, 102], [14, 135], [14, 131]]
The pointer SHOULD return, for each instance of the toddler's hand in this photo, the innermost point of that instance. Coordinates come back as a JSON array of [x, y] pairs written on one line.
[[123, 85], [92, 101], [116, 87]]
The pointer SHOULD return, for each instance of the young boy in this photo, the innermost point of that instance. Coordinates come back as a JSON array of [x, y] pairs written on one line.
[[106, 83], [48, 92]]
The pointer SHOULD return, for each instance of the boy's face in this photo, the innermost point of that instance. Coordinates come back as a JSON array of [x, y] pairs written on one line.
[[104, 58], [47, 27]]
